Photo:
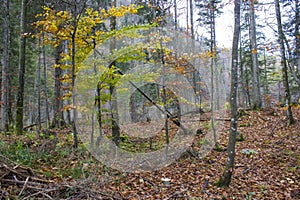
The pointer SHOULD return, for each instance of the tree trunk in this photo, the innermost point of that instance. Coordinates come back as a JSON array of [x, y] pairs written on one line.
[[285, 80], [187, 17], [73, 63], [98, 116], [192, 19], [45, 84], [73, 95], [213, 67], [112, 89], [175, 14], [266, 87], [22, 52], [292, 60], [225, 179], [39, 119], [58, 114], [297, 35], [257, 103], [5, 68], [244, 98], [164, 95]]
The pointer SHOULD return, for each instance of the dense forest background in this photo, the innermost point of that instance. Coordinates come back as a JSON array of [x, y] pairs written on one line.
[[46, 44], [34, 70]]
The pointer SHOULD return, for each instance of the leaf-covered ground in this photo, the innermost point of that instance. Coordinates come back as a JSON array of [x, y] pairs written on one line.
[[267, 167]]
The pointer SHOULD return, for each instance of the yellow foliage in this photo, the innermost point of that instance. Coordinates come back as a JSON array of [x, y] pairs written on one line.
[[56, 66], [68, 107], [56, 27], [254, 51], [285, 108], [63, 15], [66, 96]]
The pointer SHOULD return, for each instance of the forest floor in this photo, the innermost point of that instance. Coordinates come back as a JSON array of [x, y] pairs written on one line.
[[267, 166]]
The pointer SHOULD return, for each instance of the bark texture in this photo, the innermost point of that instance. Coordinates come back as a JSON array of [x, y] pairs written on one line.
[[229, 168]]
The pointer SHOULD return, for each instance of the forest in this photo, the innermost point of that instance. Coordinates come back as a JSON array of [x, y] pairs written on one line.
[[144, 99]]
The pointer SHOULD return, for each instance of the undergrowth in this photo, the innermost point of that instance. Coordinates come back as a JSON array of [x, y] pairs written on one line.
[[52, 155]]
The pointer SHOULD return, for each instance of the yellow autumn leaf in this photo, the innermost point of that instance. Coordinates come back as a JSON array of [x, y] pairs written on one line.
[[89, 11], [285, 108], [98, 20], [68, 107], [45, 8], [254, 51]]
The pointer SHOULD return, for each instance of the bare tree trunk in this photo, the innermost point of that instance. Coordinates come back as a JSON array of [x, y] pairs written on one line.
[[164, 97], [68, 101], [175, 14], [39, 119], [225, 179], [22, 52], [98, 108], [285, 80], [73, 84], [98, 116], [297, 35], [5, 68], [292, 60], [73, 64], [266, 88], [45, 84], [192, 19], [257, 103], [244, 98], [58, 114], [114, 106], [213, 67], [187, 17]]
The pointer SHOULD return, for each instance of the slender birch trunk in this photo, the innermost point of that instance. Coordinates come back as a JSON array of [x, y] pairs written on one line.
[[225, 179]]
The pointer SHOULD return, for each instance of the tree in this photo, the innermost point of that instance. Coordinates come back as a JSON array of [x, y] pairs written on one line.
[[58, 119], [5, 67], [76, 13], [292, 35], [257, 103], [225, 179], [245, 56], [45, 90], [243, 79], [39, 117], [79, 28], [113, 101], [297, 35], [22, 53], [175, 14], [284, 64], [192, 19], [252, 45], [208, 11]]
